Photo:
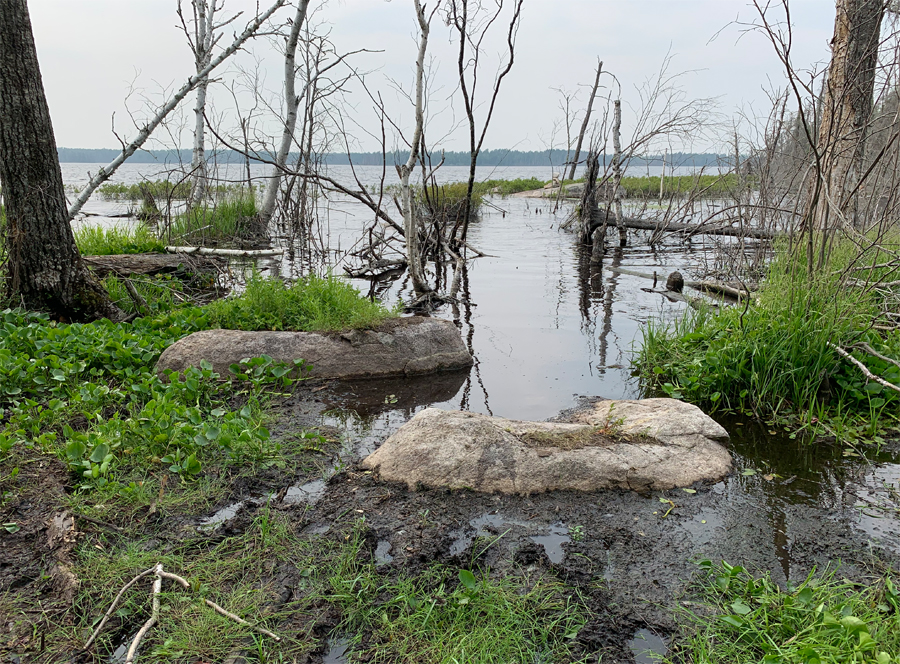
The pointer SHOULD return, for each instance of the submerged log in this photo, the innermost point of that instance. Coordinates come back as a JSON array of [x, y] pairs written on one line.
[[124, 265], [599, 217]]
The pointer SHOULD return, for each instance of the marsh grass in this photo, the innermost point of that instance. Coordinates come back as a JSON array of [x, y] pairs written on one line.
[[310, 303], [231, 218], [160, 190], [773, 360], [743, 618], [110, 240], [444, 615]]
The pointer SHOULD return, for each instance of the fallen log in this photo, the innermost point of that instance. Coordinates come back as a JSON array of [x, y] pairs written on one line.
[[705, 286], [600, 216], [375, 269], [207, 251], [125, 265]]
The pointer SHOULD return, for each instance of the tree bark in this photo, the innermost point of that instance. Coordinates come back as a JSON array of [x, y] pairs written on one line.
[[203, 20], [45, 270], [292, 104], [846, 111]]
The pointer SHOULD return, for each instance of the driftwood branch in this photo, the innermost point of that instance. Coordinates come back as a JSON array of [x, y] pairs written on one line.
[[160, 574], [124, 265], [862, 367]]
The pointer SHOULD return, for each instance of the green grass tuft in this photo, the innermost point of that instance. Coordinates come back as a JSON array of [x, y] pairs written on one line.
[[311, 303], [232, 217], [108, 240]]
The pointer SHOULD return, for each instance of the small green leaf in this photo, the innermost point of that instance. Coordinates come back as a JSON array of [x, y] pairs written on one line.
[[740, 608], [468, 579], [734, 621]]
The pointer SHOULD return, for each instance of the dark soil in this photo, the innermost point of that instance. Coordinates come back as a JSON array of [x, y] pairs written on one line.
[[630, 556]]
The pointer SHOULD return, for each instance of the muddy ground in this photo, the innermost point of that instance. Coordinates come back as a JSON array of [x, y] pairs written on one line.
[[631, 556]]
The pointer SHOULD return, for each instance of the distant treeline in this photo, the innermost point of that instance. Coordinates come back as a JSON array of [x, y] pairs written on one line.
[[487, 158]]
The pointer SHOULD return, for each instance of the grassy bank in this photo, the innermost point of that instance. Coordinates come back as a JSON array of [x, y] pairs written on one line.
[[159, 190], [773, 359], [313, 303]]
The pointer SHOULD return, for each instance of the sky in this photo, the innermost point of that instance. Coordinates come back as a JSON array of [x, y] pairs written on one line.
[[101, 59]]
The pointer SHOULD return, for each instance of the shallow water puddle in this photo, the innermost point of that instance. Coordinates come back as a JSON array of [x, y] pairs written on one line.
[[551, 538], [648, 647], [337, 651], [553, 542], [383, 553]]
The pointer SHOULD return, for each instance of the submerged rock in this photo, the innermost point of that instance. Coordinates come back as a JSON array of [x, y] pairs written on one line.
[[398, 347], [639, 445]]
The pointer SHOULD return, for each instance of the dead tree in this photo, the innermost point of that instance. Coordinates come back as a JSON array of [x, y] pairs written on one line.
[[292, 105], [472, 28], [586, 121], [202, 39], [414, 258], [847, 111], [104, 173], [44, 269]]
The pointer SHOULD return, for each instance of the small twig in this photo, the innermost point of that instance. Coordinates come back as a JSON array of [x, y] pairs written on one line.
[[151, 621], [871, 351], [136, 297], [115, 603], [862, 367], [98, 522]]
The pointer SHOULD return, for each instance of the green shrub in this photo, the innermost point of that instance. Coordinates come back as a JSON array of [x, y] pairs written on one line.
[[822, 619], [311, 303], [108, 240]]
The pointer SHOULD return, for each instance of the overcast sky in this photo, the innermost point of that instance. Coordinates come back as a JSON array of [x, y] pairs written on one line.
[[93, 51]]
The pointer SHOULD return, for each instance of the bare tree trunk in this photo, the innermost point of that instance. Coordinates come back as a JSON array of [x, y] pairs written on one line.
[[410, 219], [103, 174], [45, 270], [292, 104], [204, 17], [586, 121], [589, 198], [617, 171], [846, 111]]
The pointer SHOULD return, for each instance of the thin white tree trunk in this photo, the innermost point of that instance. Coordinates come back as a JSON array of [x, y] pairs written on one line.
[[410, 225], [617, 170], [586, 121], [104, 173], [202, 54], [292, 104]]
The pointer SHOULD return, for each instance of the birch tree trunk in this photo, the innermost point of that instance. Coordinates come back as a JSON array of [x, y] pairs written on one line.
[[292, 104], [846, 111], [586, 121], [204, 17], [617, 171], [45, 270], [104, 173], [410, 219]]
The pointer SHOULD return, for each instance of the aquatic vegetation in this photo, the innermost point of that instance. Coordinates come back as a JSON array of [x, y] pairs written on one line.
[[310, 303], [230, 218], [108, 240]]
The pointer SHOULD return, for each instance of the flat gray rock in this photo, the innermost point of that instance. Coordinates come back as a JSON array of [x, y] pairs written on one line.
[[398, 347], [638, 445]]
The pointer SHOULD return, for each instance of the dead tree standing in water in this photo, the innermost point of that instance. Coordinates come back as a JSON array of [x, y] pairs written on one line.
[[586, 121]]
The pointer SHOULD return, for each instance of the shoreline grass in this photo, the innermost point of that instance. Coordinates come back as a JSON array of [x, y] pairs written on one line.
[[230, 218], [110, 240], [325, 304], [773, 360]]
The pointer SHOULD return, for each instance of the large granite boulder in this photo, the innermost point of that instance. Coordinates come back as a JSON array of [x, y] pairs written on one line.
[[398, 347], [639, 445]]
